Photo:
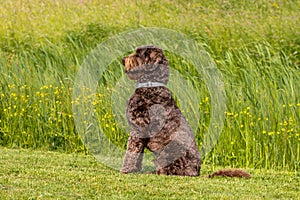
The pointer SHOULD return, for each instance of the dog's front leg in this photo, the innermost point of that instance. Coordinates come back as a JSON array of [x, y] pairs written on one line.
[[134, 155]]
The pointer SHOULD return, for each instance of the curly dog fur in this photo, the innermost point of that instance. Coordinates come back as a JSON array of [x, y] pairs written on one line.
[[156, 122]]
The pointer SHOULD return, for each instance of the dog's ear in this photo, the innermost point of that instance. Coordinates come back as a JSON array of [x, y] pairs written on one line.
[[157, 56]]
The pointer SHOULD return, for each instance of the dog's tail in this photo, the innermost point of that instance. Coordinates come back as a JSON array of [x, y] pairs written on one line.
[[231, 173]]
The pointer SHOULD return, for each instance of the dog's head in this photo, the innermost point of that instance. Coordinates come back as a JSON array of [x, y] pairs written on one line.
[[148, 63]]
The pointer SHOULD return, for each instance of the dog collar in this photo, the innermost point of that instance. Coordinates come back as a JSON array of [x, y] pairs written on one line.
[[148, 84]]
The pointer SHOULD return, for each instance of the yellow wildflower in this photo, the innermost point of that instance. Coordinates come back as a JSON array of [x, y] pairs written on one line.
[[271, 133]]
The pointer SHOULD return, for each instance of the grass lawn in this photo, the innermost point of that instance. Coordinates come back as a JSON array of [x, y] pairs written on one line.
[[30, 174]]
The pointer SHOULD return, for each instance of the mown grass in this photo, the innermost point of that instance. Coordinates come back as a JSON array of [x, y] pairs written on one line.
[[27, 174], [255, 46]]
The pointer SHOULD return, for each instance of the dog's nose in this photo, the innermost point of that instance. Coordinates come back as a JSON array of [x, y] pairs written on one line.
[[123, 61]]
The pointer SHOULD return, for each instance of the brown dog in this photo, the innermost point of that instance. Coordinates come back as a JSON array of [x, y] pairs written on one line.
[[156, 123], [155, 120]]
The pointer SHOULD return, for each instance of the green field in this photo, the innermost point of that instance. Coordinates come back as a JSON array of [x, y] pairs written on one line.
[[255, 45], [27, 174]]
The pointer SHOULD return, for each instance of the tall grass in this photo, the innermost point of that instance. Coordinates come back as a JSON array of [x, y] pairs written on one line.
[[254, 44]]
